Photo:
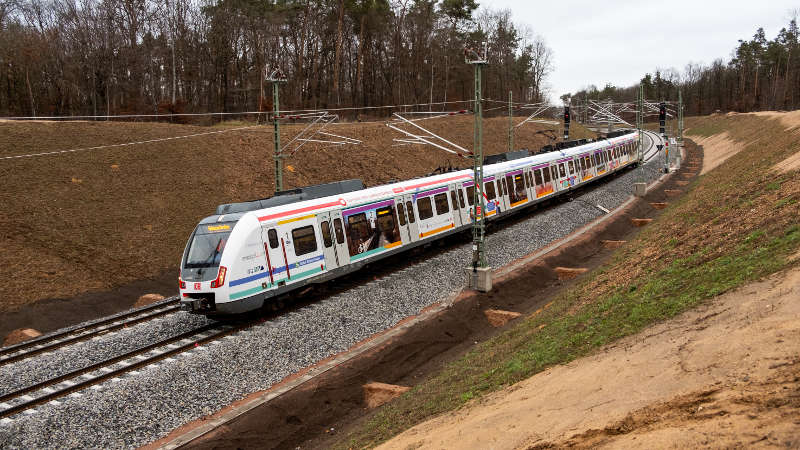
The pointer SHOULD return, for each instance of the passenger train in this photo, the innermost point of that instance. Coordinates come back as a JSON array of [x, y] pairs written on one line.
[[249, 254]]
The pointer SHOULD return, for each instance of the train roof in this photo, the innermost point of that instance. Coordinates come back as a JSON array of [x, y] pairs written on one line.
[[414, 185], [293, 196]]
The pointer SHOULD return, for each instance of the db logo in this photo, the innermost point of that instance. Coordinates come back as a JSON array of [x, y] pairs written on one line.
[[197, 286]]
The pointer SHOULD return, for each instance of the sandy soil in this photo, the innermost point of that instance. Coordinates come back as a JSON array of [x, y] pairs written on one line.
[[725, 374], [717, 148], [789, 164], [790, 120]]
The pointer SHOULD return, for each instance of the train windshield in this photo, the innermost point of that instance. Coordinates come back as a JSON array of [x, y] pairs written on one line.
[[208, 242]]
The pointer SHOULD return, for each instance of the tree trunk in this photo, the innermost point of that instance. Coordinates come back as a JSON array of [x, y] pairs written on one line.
[[338, 58], [30, 93], [359, 58]]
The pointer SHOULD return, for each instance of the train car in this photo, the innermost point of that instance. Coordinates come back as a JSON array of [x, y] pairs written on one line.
[[251, 253]]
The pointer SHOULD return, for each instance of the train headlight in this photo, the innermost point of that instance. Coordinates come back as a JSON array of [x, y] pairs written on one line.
[[220, 277]]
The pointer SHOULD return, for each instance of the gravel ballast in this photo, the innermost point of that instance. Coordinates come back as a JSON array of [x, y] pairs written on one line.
[[139, 409]]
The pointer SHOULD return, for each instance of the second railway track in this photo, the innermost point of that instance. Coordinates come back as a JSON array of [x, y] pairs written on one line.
[[87, 331], [28, 397]]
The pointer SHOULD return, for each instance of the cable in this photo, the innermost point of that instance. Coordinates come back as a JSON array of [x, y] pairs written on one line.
[[149, 141], [131, 116]]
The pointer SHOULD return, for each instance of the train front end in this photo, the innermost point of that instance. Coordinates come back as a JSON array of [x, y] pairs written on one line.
[[205, 267]]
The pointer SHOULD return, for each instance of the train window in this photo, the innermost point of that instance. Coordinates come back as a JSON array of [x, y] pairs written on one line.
[[471, 195], [490, 192], [453, 199], [410, 209], [326, 233], [386, 222], [499, 188], [582, 164], [519, 186], [425, 208], [561, 170], [337, 227], [386, 226], [401, 214], [305, 241], [537, 175], [528, 182], [358, 232], [598, 159], [571, 167], [546, 174], [461, 199], [588, 161], [442, 207], [272, 236], [505, 186]]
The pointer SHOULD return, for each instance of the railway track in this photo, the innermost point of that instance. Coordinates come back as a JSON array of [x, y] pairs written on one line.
[[69, 336], [25, 399]]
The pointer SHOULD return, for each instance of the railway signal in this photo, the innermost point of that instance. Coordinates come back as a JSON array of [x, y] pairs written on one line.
[[662, 118], [566, 122]]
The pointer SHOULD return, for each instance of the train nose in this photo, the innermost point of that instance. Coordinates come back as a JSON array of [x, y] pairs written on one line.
[[199, 303]]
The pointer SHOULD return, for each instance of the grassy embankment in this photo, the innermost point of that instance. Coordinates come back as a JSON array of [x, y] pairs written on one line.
[[738, 223]]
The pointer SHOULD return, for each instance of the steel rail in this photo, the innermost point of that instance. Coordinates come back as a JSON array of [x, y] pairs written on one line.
[[71, 335], [70, 385]]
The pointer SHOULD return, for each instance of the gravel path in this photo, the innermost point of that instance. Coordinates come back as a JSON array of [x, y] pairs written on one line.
[[138, 409]]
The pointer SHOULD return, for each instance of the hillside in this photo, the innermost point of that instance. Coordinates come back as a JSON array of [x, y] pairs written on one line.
[[95, 220], [647, 346]]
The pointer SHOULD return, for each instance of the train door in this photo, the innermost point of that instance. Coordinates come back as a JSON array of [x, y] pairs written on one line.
[[529, 185], [454, 206], [339, 241], [402, 220], [553, 168], [413, 226], [463, 205], [572, 172], [502, 194], [328, 240], [272, 253]]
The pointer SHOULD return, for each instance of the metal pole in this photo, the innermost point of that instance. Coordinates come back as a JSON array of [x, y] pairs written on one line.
[[277, 77], [276, 138], [478, 204], [680, 118], [639, 126], [510, 122]]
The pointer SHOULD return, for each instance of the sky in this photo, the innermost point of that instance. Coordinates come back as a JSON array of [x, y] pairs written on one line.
[[618, 41]]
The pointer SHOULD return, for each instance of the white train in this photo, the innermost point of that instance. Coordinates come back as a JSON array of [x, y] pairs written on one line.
[[250, 253]]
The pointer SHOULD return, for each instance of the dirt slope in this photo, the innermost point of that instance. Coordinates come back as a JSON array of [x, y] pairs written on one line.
[[725, 374], [717, 149], [736, 225], [98, 219]]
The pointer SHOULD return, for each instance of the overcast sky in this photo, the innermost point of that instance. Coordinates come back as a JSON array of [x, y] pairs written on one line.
[[618, 41]]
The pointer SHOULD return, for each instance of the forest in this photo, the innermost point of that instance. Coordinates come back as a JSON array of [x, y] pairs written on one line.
[[111, 57], [761, 74]]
